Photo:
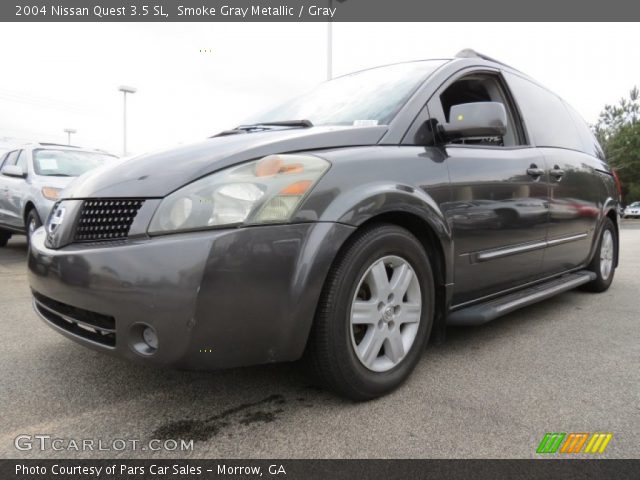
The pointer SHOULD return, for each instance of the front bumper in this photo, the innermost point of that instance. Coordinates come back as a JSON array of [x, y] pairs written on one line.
[[216, 299]]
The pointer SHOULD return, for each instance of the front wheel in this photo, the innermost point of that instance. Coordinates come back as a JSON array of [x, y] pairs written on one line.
[[604, 261], [375, 314], [33, 222]]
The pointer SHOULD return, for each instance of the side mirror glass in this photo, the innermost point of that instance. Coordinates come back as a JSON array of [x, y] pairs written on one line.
[[13, 171], [481, 119]]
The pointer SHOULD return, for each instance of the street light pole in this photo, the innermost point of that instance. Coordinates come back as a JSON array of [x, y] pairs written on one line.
[[330, 46], [125, 89], [69, 131], [330, 43]]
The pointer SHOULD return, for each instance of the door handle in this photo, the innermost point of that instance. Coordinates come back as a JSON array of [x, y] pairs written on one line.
[[534, 171], [557, 172]]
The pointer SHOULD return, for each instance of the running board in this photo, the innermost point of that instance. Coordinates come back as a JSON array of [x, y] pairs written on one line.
[[485, 312]]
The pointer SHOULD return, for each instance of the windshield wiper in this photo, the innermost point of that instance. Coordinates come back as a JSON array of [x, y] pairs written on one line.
[[59, 175], [258, 127], [287, 123]]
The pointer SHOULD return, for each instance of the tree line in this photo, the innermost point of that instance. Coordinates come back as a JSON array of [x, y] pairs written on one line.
[[618, 131]]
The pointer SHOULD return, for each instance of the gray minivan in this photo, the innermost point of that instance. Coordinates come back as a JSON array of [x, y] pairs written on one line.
[[347, 226]]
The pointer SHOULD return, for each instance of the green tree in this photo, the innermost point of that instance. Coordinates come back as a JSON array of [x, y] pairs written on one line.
[[618, 131]]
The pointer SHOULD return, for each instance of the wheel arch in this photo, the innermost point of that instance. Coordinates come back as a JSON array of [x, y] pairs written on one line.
[[404, 206], [435, 250], [612, 214], [28, 206]]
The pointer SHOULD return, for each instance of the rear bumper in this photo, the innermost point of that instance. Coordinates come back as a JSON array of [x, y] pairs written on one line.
[[216, 299]]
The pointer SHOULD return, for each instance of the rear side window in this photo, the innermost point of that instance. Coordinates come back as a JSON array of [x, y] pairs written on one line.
[[589, 141], [545, 115]]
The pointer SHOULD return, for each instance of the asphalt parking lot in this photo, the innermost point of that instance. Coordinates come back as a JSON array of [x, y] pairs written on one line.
[[571, 364]]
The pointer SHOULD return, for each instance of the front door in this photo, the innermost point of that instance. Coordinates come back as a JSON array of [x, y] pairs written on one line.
[[498, 214], [498, 210], [15, 189], [6, 183]]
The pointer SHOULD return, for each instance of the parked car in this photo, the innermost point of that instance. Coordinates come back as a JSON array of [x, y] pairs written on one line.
[[632, 210], [31, 179], [346, 226]]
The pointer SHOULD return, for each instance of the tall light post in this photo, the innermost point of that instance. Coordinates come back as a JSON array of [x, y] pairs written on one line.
[[330, 43], [330, 46], [125, 89], [69, 131]]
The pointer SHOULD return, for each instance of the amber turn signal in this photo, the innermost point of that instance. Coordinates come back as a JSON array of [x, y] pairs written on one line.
[[298, 188]]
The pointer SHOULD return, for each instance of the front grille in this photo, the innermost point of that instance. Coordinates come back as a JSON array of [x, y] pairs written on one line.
[[92, 326], [106, 219]]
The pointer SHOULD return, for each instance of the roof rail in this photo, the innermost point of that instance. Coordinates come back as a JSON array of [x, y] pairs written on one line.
[[49, 144], [471, 53], [57, 145]]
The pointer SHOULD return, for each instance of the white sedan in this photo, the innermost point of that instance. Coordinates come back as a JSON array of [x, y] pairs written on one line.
[[632, 210]]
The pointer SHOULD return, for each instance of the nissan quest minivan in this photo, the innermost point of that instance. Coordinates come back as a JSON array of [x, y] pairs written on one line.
[[345, 227]]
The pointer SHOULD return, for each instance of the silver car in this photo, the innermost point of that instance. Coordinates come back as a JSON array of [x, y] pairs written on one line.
[[632, 210], [31, 179]]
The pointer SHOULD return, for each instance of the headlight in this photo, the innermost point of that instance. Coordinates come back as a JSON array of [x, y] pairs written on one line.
[[268, 190], [51, 193]]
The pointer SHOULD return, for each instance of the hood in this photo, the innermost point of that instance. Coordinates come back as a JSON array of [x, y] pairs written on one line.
[[158, 174], [52, 181]]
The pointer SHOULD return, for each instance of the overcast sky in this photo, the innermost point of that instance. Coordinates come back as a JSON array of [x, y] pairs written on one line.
[[61, 75]]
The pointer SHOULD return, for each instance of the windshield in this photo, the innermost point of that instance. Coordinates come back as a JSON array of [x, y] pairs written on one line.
[[370, 97], [67, 163], [635, 204]]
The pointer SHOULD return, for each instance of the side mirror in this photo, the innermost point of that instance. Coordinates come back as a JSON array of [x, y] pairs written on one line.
[[13, 171], [481, 119]]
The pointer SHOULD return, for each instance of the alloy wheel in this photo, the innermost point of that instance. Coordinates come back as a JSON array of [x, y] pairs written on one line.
[[385, 313], [606, 254]]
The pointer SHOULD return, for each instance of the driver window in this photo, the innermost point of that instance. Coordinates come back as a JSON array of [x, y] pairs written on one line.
[[480, 88], [10, 158]]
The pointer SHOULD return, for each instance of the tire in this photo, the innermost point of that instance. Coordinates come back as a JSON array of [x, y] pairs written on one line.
[[336, 351], [604, 260], [32, 222], [4, 238]]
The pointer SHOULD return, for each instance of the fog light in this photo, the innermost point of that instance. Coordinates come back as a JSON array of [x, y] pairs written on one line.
[[143, 339], [150, 338]]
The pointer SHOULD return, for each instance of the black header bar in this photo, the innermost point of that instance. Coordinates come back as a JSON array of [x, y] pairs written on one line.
[[320, 469], [317, 11]]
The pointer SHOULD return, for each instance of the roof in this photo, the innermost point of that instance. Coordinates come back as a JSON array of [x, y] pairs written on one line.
[[471, 53]]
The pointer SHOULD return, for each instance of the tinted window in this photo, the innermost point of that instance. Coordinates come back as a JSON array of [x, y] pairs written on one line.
[[589, 141], [545, 115]]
